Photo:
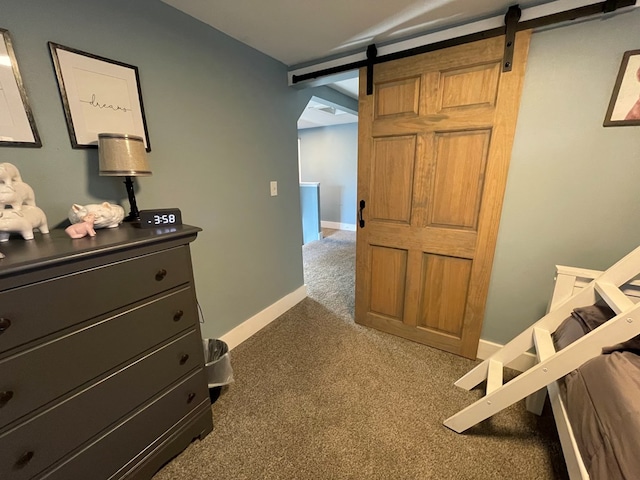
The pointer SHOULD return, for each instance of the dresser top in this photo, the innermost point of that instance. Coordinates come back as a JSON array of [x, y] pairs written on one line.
[[57, 248]]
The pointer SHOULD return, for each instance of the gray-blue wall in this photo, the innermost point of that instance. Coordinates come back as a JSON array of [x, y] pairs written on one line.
[[573, 195], [222, 125], [329, 155], [310, 206]]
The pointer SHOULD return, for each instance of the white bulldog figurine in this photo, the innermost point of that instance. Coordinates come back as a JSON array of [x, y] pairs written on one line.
[[9, 174], [22, 222], [17, 194], [106, 215]]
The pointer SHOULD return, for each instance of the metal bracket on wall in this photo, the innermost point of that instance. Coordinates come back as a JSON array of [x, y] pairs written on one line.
[[511, 21]]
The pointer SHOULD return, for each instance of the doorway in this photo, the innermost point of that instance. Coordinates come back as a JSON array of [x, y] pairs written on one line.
[[327, 161]]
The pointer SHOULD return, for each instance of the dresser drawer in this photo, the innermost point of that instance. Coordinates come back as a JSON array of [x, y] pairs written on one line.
[[58, 431], [36, 376], [112, 452], [38, 309]]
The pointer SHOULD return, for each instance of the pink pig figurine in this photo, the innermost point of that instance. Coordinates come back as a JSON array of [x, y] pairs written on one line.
[[82, 229]]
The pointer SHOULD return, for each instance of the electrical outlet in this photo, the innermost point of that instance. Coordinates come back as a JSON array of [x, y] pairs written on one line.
[[274, 189]]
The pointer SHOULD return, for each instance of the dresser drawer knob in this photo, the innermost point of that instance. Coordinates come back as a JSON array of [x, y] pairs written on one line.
[[191, 397], [161, 274], [5, 323], [5, 397], [24, 459], [184, 359], [178, 316]]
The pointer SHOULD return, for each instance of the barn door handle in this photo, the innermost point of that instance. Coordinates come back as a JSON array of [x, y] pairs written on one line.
[[361, 221]]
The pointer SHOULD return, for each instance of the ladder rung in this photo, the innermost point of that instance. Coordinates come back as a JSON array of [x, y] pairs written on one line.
[[614, 297], [553, 365], [544, 343], [494, 376]]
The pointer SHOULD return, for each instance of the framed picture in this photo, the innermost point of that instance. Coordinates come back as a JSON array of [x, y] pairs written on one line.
[[99, 96], [624, 107], [17, 126]]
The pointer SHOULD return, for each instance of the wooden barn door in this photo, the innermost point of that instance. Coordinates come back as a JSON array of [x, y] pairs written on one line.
[[435, 142]]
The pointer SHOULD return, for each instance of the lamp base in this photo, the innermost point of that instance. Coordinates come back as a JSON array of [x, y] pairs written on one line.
[[134, 214]]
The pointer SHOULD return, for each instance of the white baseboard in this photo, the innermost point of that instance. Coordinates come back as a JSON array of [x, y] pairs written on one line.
[[338, 226], [253, 325], [250, 327], [521, 364]]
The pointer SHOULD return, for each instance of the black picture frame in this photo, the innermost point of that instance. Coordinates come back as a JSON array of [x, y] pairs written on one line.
[[624, 106], [99, 95], [17, 124]]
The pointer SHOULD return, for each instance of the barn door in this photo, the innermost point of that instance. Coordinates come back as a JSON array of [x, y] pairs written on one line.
[[435, 142]]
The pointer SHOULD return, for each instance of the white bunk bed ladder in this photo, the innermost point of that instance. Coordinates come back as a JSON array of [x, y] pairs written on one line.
[[553, 365]]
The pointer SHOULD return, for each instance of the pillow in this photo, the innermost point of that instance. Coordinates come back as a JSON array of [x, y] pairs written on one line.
[[581, 322], [585, 319]]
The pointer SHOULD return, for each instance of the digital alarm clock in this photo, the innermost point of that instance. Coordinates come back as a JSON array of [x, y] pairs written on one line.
[[162, 217]]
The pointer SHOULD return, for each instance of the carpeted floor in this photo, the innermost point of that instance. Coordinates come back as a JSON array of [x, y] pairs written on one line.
[[317, 396]]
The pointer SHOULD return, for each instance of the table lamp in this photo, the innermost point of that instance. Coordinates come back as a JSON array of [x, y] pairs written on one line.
[[124, 155]]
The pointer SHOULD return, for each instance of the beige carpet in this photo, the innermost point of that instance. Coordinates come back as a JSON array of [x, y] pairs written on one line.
[[318, 397]]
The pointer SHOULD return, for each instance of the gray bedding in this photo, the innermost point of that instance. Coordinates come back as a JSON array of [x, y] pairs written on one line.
[[603, 400], [603, 405]]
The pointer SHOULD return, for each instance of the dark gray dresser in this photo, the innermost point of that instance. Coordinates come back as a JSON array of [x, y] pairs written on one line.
[[101, 361]]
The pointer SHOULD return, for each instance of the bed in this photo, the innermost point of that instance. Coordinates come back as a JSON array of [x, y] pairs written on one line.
[[587, 358], [598, 403]]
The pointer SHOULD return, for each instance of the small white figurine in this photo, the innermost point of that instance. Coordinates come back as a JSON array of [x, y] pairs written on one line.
[[16, 195], [23, 215], [106, 215], [9, 174], [82, 229], [22, 222]]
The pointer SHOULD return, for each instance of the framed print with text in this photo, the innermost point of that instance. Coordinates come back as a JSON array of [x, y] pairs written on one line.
[[99, 96], [17, 126]]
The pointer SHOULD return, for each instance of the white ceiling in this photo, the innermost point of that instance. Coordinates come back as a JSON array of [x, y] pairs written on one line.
[[298, 32], [320, 114], [301, 31]]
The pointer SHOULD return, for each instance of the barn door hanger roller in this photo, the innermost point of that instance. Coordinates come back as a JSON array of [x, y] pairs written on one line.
[[511, 27], [511, 22]]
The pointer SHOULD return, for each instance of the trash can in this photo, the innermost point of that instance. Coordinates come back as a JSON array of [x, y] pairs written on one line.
[[217, 365]]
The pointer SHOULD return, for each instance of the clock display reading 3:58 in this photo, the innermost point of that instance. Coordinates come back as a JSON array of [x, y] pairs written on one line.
[[160, 217]]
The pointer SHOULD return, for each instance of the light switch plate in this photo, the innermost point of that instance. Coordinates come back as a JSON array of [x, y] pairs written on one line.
[[274, 189]]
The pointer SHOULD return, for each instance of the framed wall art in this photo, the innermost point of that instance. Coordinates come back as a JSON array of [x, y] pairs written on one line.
[[17, 126], [99, 96], [624, 107]]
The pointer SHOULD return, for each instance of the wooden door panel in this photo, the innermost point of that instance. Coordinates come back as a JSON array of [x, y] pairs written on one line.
[[473, 117], [459, 167], [393, 165], [459, 57], [477, 85], [433, 154], [388, 274], [444, 293], [397, 98], [441, 241]]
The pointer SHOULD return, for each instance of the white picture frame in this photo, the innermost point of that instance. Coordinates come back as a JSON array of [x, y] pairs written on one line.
[[17, 125], [99, 96]]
